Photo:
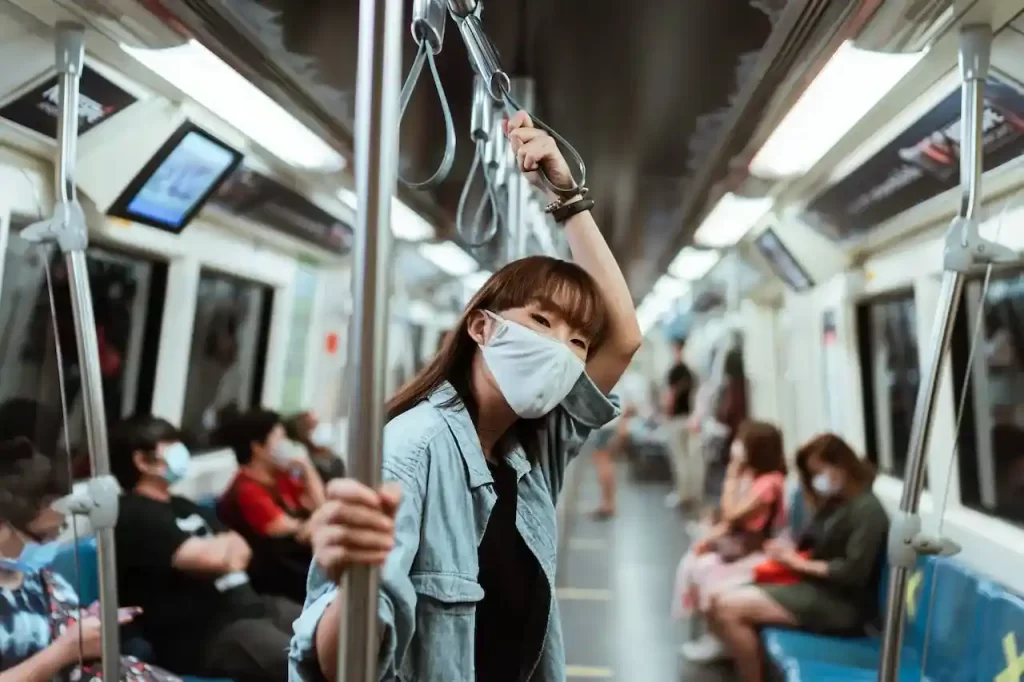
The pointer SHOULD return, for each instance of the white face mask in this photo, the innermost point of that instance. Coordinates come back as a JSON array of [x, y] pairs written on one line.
[[286, 452], [823, 484], [533, 372], [322, 436]]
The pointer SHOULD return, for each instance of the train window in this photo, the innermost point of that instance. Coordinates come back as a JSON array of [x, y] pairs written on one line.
[[229, 348], [292, 399], [991, 447], [887, 334], [127, 293]]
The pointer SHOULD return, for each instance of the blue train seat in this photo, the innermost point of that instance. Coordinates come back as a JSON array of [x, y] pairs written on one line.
[[966, 616], [999, 657], [807, 656]]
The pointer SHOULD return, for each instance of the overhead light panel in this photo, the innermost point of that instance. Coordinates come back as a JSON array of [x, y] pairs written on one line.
[[847, 88], [730, 219], [406, 224], [449, 258], [659, 301], [202, 76], [692, 264]]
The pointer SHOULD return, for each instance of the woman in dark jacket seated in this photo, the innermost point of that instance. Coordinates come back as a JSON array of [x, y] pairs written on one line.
[[837, 587]]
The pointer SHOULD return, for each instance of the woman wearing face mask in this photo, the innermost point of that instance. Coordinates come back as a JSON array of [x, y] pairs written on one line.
[[43, 635], [837, 564], [475, 451], [318, 439], [753, 508]]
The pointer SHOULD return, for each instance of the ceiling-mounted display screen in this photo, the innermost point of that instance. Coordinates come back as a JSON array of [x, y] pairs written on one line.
[[173, 186], [782, 261], [253, 195], [922, 162], [37, 108]]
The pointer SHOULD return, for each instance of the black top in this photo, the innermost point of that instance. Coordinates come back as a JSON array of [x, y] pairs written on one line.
[[181, 611], [511, 620], [680, 380]]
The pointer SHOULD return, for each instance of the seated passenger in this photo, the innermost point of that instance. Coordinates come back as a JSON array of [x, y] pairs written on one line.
[[318, 439], [186, 570], [753, 507], [42, 634], [475, 452], [269, 502], [836, 585]]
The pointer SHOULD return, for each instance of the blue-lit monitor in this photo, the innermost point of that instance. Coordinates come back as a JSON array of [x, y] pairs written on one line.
[[173, 186], [782, 261]]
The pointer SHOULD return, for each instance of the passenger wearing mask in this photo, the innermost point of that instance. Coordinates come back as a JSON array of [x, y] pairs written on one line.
[[836, 566], [753, 508], [270, 501], [475, 451], [44, 635], [318, 438], [186, 570]]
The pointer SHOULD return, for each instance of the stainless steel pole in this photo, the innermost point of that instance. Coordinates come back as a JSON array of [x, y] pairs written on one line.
[[517, 231], [378, 81], [72, 236], [975, 44]]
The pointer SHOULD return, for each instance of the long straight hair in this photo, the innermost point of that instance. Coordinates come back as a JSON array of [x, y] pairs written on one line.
[[555, 285]]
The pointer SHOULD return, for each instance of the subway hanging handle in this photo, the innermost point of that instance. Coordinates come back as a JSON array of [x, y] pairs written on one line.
[[428, 19], [482, 132], [487, 65]]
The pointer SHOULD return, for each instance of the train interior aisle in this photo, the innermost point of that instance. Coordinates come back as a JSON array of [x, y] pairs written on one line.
[[615, 578]]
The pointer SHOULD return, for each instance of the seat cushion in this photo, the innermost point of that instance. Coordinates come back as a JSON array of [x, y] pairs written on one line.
[[819, 671], [784, 645]]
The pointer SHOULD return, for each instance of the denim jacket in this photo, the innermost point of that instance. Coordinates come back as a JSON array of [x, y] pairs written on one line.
[[429, 587]]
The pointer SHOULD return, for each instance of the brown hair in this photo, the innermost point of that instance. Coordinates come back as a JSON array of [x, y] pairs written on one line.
[[553, 284], [763, 445], [834, 451]]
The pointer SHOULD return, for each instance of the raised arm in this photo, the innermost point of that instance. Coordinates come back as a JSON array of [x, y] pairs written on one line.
[[535, 149]]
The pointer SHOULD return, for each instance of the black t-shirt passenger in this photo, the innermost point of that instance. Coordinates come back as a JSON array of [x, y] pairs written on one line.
[[181, 611], [511, 620], [680, 380]]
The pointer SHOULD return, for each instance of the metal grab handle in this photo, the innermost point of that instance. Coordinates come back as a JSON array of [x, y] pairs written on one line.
[[489, 197], [426, 53], [963, 250], [487, 65]]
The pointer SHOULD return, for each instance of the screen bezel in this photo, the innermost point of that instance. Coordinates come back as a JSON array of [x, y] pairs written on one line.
[[759, 244], [119, 209]]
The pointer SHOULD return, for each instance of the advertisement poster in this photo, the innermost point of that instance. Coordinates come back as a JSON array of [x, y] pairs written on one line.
[[922, 162], [37, 109]]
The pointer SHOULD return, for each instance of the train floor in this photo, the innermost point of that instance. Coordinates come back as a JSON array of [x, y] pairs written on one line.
[[615, 589]]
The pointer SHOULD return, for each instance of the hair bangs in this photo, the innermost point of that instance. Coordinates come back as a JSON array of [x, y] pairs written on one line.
[[555, 285]]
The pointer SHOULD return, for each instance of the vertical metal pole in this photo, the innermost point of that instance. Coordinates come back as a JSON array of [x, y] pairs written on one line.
[[378, 81], [72, 236], [975, 45], [517, 232]]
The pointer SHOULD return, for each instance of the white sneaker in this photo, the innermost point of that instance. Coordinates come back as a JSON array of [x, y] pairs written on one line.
[[672, 500], [707, 649]]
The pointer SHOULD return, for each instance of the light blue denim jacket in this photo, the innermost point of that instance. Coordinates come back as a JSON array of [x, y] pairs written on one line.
[[429, 587]]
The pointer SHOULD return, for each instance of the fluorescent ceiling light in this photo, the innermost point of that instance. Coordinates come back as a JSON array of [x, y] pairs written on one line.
[[202, 76], [406, 224], [659, 301], [475, 281], [449, 258], [730, 219], [692, 264], [851, 84]]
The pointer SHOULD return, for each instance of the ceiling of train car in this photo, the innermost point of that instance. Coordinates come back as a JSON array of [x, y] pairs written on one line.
[[641, 94]]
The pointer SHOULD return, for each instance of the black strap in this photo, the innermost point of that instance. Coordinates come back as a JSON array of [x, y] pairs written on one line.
[[569, 210]]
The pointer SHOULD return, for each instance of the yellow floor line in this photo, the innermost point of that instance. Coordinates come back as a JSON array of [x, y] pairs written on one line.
[[582, 594], [588, 672], [588, 544]]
